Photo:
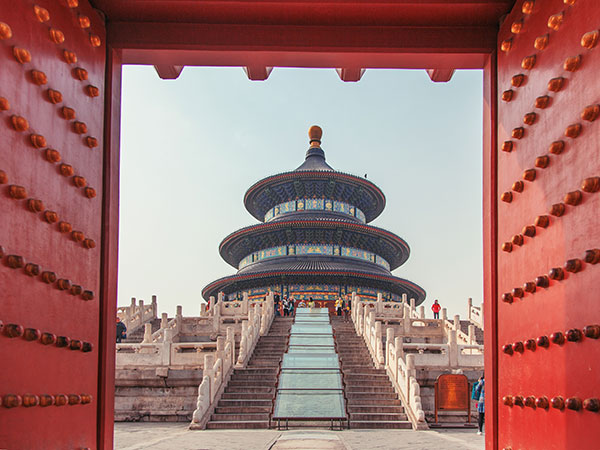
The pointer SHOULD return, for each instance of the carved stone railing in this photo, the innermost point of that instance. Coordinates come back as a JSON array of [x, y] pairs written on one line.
[[401, 359], [214, 381], [136, 315], [165, 324], [217, 371], [461, 336], [475, 314], [164, 353]]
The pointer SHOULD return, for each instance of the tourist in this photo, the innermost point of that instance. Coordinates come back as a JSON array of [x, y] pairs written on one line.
[[339, 306], [311, 302], [285, 307], [121, 330], [347, 309], [480, 396], [436, 309], [291, 307], [276, 303]]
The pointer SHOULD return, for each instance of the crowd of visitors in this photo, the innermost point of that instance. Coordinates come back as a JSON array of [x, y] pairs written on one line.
[[285, 307]]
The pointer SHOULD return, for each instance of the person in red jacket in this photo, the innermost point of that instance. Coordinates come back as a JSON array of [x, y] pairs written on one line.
[[436, 309]]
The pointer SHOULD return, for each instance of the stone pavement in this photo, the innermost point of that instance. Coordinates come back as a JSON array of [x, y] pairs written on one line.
[[176, 436]]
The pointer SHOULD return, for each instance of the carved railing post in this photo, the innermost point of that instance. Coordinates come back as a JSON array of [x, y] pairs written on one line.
[[178, 319], [472, 334], [164, 321], [379, 344], [147, 333], [245, 304], [389, 343], [452, 349], [469, 307], [379, 305], [421, 312], [154, 307], [211, 306], [217, 315], [243, 344], [231, 340], [444, 314], [166, 347]]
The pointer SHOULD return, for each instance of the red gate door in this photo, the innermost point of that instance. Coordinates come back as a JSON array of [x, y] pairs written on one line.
[[52, 69], [548, 360]]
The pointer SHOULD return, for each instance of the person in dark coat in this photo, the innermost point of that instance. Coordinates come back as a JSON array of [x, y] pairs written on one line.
[[480, 395], [121, 330]]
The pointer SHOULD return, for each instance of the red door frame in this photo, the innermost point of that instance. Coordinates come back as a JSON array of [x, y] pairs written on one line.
[[110, 247], [120, 53]]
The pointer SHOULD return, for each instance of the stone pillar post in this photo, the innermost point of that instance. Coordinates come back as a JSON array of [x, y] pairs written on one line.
[[444, 314], [217, 315], [220, 347], [469, 305], [154, 307], [166, 347], [398, 345], [245, 304], [389, 340], [406, 323], [379, 305], [202, 309], [421, 312], [452, 349], [164, 320], [211, 307], [141, 310], [147, 333], [231, 340], [412, 304], [404, 299], [471, 334], [457, 322]]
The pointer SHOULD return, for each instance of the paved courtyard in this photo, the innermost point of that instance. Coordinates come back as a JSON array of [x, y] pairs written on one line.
[[165, 436]]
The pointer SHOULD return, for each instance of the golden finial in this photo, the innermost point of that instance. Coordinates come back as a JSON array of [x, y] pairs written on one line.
[[314, 133]]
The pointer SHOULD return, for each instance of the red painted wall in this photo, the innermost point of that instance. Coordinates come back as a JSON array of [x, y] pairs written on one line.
[[570, 370], [31, 368]]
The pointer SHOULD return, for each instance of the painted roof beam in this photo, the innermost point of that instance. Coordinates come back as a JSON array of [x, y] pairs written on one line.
[[258, 73], [407, 47], [350, 74], [440, 75], [167, 72]]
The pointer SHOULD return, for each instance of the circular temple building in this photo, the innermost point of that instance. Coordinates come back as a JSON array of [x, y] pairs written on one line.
[[314, 239]]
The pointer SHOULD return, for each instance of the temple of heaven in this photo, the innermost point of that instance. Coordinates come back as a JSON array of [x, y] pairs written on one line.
[[314, 239]]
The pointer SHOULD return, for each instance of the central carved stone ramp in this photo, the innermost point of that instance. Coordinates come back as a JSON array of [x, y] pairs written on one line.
[[372, 401], [248, 398]]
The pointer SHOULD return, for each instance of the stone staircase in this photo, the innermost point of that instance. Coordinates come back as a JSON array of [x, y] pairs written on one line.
[[371, 400], [248, 398], [464, 327], [136, 335]]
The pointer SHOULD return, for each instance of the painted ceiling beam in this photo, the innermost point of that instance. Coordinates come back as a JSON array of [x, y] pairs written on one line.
[[440, 75], [258, 73], [350, 74], [168, 72], [409, 47]]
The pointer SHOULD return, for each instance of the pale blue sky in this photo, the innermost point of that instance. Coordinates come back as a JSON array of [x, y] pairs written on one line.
[[191, 147]]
